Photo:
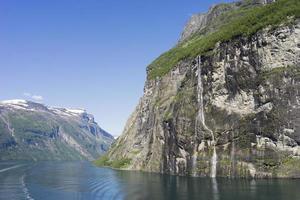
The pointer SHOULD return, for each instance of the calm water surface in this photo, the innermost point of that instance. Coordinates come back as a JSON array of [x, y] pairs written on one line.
[[81, 180]]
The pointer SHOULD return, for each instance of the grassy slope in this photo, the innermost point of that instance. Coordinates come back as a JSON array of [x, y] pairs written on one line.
[[104, 161], [242, 22]]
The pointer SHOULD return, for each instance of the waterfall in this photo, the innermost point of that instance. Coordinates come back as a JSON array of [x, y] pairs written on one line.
[[6, 122], [201, 118], [232, 158], [194, 161], [214, 162]]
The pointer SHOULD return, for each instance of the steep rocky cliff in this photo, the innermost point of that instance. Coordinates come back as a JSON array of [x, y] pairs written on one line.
[[33, 131], [232, 110]]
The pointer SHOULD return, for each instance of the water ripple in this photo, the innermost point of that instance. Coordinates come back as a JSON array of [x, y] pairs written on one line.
[[104, 188], [77, 180]]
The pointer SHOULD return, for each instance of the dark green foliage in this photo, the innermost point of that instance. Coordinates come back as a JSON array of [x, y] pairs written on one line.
[[250, 21], [104, 161], [122, 163]]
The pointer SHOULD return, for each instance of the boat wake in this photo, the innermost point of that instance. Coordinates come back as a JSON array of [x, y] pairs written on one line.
[[10, 168], [25, 189]]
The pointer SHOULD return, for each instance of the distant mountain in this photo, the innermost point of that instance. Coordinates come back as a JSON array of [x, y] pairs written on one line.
[[33, 131]]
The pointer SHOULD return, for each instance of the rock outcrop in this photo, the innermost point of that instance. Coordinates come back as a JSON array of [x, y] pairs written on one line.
[[234, 112], [33, 131]]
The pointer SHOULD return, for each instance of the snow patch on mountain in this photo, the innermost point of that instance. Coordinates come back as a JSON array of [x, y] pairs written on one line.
[[15, 104], [21, 104]]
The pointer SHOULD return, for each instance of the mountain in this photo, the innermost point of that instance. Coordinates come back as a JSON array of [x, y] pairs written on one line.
[[33, 131], [224, 101]]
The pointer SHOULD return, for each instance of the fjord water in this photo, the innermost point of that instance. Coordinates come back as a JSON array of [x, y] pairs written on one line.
[[82, 180]]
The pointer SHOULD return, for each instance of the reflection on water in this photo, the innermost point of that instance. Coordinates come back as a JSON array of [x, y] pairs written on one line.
[[215, 190], [81, 180], [253, 187]]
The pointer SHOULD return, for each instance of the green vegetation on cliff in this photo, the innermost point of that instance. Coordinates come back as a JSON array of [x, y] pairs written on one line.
[[245, 94], [104, 161], [242, 22]]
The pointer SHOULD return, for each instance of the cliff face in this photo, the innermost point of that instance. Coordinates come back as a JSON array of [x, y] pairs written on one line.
[[32, 131], [234, 112]]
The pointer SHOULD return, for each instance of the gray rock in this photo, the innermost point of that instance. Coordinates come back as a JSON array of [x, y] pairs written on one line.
[[250, 103]]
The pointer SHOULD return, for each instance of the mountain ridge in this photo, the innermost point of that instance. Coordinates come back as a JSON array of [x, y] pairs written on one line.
[[29, 127]]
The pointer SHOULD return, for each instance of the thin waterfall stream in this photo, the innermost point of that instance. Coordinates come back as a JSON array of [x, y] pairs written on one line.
[[201, 118]]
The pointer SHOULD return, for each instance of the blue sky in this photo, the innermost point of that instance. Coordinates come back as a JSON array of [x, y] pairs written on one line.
[[88, 54]]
